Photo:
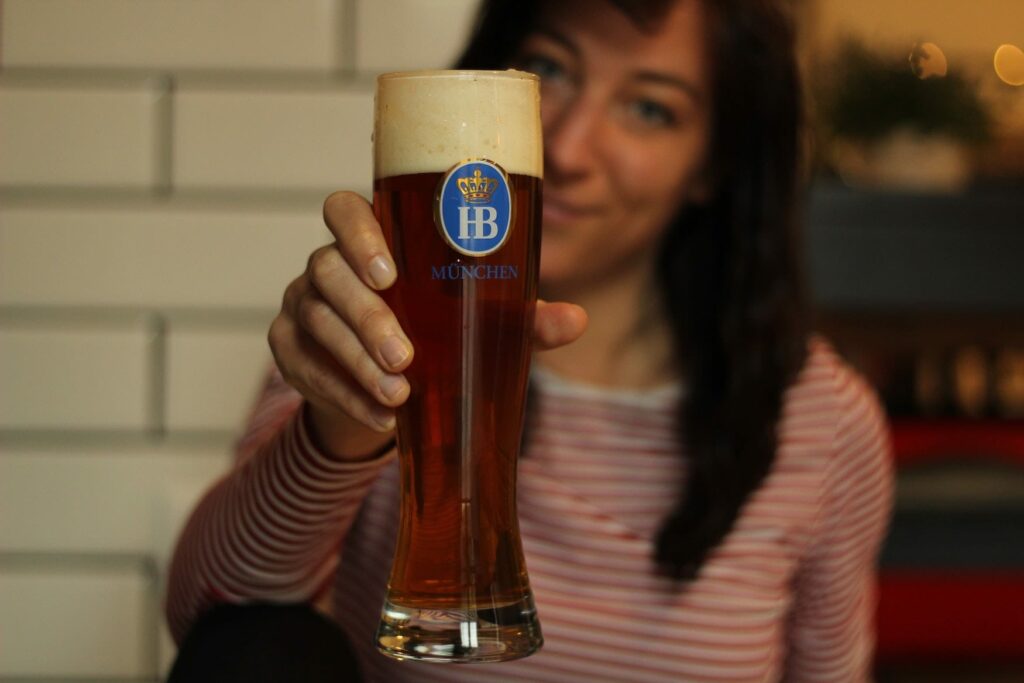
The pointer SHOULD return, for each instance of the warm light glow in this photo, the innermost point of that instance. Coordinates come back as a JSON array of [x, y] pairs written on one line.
[[928, 61], [1009, 64]]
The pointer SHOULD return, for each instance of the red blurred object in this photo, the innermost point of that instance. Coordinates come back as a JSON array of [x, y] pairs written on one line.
[[916, 441], [950, 615]]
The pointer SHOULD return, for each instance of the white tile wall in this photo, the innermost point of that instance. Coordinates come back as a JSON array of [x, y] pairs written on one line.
[[213, 374], [411, 34], [171, 34], [274, 140], [74, 377], [163, 161], [101, 499], [76, 622], [86, 136], [154, 257]]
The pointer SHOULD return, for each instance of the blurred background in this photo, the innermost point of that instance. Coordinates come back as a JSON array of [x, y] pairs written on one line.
[[162, 168]]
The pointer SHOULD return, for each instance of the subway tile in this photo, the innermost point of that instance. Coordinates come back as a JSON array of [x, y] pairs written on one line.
[[411, 34], [74, 376], [171, 34], [213, 376], [278, 140], [157, 257], [82, 622], [79, 136], [102, 499]]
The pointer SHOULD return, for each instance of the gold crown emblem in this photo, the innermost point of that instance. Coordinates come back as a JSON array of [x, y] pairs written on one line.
[[477, 189]]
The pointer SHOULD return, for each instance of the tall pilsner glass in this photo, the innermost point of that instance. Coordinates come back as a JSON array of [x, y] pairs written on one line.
[[457, 185]]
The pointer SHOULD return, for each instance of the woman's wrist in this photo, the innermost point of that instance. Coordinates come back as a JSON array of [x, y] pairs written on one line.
[[342, 438]]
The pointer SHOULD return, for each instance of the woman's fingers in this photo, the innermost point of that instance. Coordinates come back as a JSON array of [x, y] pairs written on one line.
[[360, 239], [343, 300], [351, 324], [307, 366], [336, 337], [557, 324], [335, 340], [339, 343]]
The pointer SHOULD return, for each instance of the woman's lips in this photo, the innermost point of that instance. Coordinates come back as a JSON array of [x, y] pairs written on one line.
[[557, 210]]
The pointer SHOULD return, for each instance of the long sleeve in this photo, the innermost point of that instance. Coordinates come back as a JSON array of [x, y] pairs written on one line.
[[831, 631], [271, 529]]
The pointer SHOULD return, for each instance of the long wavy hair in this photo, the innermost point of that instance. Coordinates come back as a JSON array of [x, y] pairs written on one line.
[[730, 268]]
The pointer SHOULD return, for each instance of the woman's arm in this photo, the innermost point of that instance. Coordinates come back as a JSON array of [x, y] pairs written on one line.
[[271, 528], [831, 634]]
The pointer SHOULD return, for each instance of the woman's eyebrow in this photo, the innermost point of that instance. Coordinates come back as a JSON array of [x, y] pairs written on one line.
[[656, 77], [560, 38], [671, 80]]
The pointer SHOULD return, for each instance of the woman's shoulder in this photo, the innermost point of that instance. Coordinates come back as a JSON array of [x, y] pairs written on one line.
[[836, 402], [827, 378]]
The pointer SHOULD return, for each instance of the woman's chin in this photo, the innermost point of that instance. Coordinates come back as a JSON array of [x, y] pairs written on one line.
[[556, 275]]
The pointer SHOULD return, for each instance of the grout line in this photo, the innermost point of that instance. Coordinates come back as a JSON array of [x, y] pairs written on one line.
[[132, 77], [80, 679], [157, 400], [347, 29], [113, 442], [2, 46], [35, 561], [215, 318], [152, 618], [241, 199]]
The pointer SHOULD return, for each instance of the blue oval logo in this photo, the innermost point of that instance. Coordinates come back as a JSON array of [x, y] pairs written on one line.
[[474, 207]]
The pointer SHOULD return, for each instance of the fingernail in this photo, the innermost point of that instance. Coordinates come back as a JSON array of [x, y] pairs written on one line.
[[392, 386], [382, 272], [394, 351]]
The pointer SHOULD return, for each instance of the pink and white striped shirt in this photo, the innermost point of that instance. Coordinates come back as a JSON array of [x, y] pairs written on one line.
[[788, 595]]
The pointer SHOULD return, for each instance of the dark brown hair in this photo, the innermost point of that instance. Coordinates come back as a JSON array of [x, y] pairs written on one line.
[[730, 269]]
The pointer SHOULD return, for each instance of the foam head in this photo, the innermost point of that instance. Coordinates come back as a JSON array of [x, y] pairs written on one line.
[[428, 121]]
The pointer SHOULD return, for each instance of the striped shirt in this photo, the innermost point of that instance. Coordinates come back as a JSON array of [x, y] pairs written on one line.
[[788, 594]]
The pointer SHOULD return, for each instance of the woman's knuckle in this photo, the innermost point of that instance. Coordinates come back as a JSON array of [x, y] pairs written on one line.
[[371, 318], [274, 333], [321, 382], [291, 295], [291, 378], [340, 202], [323, 267], [313, 257], [357, 407], [366, 369], [313, 312]]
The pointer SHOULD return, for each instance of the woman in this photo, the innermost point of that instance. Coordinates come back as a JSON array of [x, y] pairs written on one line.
[[704, 487]]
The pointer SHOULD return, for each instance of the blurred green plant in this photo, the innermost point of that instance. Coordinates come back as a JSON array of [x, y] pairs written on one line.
[[864, 96]]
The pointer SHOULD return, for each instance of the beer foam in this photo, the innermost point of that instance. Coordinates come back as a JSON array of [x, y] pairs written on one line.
[[426, 121]]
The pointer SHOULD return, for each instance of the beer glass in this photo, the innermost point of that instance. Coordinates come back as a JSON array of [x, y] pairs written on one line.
[[457, 183]]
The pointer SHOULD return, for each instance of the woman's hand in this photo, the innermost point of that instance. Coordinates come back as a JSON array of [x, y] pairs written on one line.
[[340, 345]]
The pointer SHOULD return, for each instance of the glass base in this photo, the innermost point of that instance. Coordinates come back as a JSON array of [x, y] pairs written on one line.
[[455, 635]]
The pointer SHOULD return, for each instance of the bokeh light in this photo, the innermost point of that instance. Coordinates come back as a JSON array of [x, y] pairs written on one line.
[[928, 61], [1009, 64]]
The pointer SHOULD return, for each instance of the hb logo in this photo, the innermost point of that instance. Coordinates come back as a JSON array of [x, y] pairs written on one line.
[[481, 225], [474, 207]]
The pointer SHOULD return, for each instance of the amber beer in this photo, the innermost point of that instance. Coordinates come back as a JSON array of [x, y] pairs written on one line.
[[457, 191]]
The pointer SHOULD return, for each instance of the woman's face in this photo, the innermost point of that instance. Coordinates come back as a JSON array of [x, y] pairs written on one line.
[[626, 127]]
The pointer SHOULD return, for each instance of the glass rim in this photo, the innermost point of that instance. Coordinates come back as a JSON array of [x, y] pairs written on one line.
[[459, 74]]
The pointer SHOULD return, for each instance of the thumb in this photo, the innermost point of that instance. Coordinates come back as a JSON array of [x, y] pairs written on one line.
[[557, 324]]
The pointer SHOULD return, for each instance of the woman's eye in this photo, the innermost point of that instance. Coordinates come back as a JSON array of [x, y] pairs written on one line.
[[545, 67], [652, 113]]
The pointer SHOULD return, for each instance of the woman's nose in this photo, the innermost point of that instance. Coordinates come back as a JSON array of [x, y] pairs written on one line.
[[571, 138]]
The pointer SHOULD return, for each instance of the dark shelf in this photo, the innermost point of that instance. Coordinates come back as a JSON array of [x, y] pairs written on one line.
[[918, 252]]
